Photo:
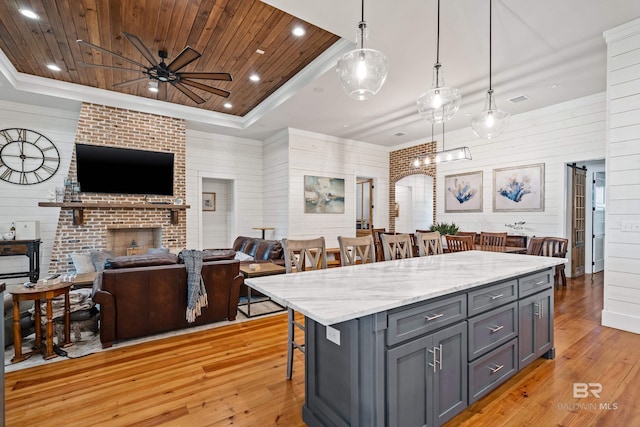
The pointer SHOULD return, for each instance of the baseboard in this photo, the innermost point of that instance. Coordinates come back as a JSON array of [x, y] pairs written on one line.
[[620, 321]]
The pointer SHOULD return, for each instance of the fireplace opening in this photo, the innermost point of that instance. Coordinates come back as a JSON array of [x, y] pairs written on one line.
[[131, 241]]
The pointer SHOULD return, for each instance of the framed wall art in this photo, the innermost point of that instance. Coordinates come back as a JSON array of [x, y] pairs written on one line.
[[519, 188], [208, 201], [463, 192], [323, 195]]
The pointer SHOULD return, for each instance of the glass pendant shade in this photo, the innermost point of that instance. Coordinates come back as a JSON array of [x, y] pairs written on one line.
[[441, 102], [490, 122], [362, 72]]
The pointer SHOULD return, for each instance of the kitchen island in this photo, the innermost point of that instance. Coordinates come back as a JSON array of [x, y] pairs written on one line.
[[415, 341]]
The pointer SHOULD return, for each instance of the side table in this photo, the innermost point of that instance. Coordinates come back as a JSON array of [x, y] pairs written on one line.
[[263, 269], [36, 294]]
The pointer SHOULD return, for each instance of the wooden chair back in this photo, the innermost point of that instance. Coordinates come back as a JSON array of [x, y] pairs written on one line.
[[493, 239], [535, 246], [396, 246], [305, 254], [376, 232], [356, 250], [471, 234], [555, 246], [429, 243], [459, 243]]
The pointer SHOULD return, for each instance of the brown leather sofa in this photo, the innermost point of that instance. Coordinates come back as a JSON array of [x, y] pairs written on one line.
[[148, 295], [260, 249]]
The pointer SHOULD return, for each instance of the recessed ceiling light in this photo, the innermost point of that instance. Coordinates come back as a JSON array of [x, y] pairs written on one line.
[[152, 86], [260, 51], [298, 31], [227, 105], [254, 78], [53, 67], [29, 13]]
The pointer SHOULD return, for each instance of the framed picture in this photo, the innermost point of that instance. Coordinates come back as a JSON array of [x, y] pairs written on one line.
[[463, 192], [519, 188], [208, 201], [323, 195]]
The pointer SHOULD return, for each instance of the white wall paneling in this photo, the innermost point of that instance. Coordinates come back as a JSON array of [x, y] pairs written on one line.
[[622, 248]]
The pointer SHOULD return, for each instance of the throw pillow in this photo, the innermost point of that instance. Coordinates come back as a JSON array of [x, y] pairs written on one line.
[[99, 257], [243, 257], [157, 251], [82, 263]]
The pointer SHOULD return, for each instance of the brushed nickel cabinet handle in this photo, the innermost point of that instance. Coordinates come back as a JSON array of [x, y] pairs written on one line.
[[496, 296], [436, 316], [496, 368], [495, 328]]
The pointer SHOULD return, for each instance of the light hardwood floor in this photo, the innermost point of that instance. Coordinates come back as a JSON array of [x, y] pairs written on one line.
[[235, 375]]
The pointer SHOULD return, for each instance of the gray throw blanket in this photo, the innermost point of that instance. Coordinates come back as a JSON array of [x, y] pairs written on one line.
[[196, 292]]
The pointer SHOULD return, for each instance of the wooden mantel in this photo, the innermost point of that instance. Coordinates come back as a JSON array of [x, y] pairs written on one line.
[[79, 207]]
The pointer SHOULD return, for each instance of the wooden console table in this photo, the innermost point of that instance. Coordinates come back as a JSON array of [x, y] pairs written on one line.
[[79, 208], [30, 248]]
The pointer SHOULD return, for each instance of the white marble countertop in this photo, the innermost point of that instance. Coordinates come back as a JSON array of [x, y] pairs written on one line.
[[339, 294]]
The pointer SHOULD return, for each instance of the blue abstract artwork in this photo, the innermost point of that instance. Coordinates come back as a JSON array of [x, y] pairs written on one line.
[[519, 188], [516, 188], [462, 191]]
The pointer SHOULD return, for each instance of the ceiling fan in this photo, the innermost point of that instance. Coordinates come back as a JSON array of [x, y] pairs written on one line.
[[164, 73]]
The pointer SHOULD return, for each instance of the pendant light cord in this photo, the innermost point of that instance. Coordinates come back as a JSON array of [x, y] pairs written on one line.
[[362, 26], [438, 36], [490, 14]]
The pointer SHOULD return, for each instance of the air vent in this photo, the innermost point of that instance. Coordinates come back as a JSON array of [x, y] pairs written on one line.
[[400, 134], [520, 98]]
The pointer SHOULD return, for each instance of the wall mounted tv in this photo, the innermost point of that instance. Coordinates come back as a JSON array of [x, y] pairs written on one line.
[[114, 170]]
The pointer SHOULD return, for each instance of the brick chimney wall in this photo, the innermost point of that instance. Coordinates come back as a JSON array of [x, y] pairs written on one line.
[[115, 127], [401, 165]]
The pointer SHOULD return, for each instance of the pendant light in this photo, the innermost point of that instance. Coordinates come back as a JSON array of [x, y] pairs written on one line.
[[441, 102], [451, 155], [490, 122], [362, 72]]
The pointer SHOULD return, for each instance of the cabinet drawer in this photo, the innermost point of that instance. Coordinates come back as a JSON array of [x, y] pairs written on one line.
[[14, 249], [536, 282], [489, 330], [420, 319], [491, 370], [491, 297]]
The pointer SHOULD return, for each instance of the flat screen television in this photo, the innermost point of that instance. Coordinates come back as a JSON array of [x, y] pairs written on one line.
[[114, 170]]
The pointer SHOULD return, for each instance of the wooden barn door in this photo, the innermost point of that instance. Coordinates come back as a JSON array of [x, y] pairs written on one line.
[[578, 221]]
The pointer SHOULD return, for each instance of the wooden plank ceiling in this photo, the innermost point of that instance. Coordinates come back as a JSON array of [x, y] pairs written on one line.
[[226, 32]]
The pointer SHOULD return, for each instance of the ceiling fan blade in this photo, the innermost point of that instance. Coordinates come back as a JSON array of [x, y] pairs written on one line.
[[130, 82], [209, 89], [195, 98], [142, 48], [207, 76], [186, 57], [101, 49], [108, 67]]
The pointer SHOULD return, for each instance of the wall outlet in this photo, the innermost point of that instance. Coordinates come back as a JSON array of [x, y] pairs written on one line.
[[333, 335], [632, 226]]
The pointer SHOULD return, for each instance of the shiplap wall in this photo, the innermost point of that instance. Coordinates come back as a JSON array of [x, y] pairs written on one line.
[[20, 202], [622, 248], [275, 186], [564, 133], [323, 155], [228, 158]]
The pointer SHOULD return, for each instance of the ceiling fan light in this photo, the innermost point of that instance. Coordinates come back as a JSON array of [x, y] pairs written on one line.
[[441, 102], [29, 13], [490, 122], [362, 72]]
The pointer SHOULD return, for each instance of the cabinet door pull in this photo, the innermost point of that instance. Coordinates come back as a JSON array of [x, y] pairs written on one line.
[[496, 296], [537, 310], [434, 358], [496, 368], [439, 361], [495, 328], [435, 316]]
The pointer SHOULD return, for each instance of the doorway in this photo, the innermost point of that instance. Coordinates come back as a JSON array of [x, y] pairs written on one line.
[[414, 203], [364, 206], [597, 221], [217, 217]]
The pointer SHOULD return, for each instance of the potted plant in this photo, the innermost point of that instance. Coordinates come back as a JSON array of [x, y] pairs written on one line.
[[445, 228]]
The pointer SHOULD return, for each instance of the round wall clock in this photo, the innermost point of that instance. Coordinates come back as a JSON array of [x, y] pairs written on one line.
[[27, 157]]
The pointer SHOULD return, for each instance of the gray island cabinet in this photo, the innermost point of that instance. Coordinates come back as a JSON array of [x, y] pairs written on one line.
[[414, 342]]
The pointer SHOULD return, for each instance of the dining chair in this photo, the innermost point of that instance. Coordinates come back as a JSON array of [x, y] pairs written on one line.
[[300, 255], [356, 250], [459, 243], [471, 234], [493, 239], [429, 243], [556, 247], [535, 246], [396, 246], [376, 232]]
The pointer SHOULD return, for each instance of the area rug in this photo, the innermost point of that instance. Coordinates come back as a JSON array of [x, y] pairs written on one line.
[[90, 342]]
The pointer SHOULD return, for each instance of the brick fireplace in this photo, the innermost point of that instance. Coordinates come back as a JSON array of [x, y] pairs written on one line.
[[149, 226]]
